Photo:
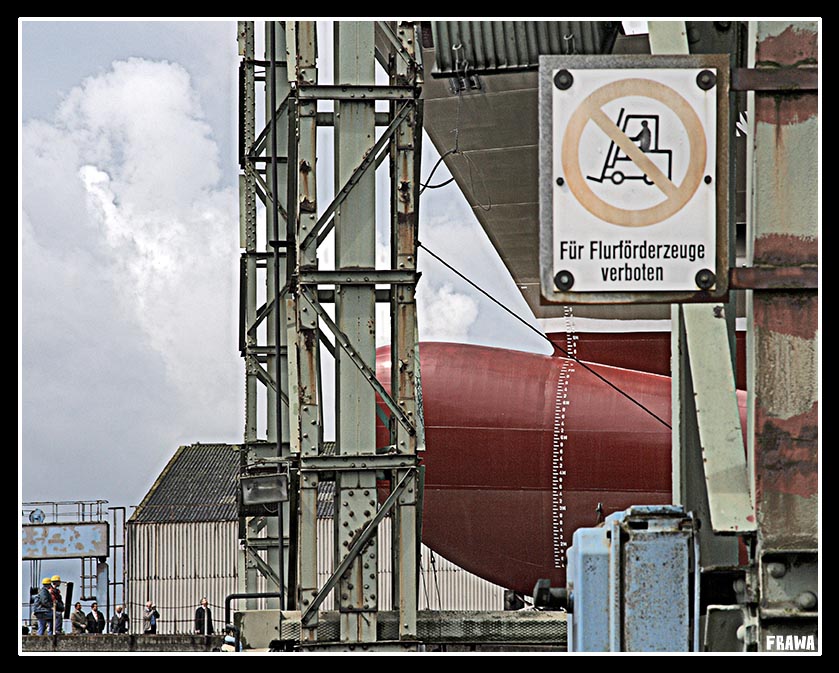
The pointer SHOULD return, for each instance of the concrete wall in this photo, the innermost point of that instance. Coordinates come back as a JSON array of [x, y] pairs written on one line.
[[122, 643]]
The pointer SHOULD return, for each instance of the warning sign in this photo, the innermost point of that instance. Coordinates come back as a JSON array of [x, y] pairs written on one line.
[[632, 196]]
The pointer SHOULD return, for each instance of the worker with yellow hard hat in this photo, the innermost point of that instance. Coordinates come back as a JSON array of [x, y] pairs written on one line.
[[57, 604], [44, 607]]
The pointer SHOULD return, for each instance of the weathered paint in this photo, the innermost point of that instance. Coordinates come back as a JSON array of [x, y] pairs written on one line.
[[786, 453], [788, 80], [785, 230], [774, 278], [785, 44], [55, 541], [787, 191], [787, 249], [788, 375], [787, 109]]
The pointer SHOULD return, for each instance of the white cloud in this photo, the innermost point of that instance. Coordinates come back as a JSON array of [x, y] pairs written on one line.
[[124, 217], [143, 120], [444, 314]]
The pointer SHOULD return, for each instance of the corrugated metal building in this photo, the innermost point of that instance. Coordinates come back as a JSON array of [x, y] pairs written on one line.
[[182, 544]]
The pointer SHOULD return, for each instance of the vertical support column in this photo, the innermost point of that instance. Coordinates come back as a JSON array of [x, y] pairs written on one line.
[[248, 240], [355, 248], [248, 574], [306, 437], [670, 37], [688, 483], [784, 325], [102, 580], [405, 152], [271, 29], [276, 89], [247, 217], [783, 334], [306, 441]]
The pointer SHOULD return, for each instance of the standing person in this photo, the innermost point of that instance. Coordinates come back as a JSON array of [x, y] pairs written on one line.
[[204, 619], [78, 620], [95, 620], [43, 607], [57, 604], [150, 617], [119, 622]]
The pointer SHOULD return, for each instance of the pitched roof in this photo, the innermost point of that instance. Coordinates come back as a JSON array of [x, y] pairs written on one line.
[[198, 484]]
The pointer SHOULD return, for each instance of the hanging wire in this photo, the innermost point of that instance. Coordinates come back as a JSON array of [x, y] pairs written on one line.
[[430, 175], [436, 581], [424, 585], [461, 65], [555, 345], [483, 182], [442, 184]]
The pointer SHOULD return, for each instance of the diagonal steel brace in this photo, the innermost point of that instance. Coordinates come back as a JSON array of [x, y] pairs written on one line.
[[369, 374], [357, 546]]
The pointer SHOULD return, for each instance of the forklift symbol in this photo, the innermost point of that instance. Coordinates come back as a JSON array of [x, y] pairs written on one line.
[[619, 167]]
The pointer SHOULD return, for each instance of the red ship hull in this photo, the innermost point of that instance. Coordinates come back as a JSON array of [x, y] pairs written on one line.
[[523, 449]]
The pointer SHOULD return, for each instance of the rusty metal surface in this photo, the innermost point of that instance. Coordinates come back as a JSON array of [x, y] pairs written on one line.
[[789, 581], [656, 591], [76, 540], [630, 581], [786, 232], [774, 278], [788, 80]]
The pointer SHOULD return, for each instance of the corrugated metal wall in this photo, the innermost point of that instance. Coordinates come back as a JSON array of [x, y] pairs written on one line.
[[488, 46], [175, 564]]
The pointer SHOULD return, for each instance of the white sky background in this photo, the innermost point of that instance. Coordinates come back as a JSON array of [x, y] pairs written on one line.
[[129, 254]]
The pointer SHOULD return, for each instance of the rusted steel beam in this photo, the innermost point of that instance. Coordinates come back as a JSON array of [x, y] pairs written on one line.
[[790, 80], [774, 278]]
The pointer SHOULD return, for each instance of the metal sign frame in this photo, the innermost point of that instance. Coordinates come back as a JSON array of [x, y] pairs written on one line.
[[551, 293]]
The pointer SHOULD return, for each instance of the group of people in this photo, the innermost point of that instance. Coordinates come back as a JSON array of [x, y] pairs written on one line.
[[49, 606], [93, 622], [49, 611]]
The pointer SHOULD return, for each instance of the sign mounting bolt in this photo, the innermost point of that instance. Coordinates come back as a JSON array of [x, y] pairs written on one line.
[[705, 279], [563, 80], [706, 80], [564, 280]]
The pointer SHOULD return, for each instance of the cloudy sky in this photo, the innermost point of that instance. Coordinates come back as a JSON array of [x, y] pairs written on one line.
[[128, 249]]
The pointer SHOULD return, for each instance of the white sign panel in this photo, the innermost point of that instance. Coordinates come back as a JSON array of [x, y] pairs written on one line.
[[634, 179]]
